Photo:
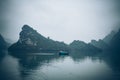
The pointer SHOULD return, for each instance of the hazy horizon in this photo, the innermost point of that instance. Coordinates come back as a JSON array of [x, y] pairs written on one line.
[[61, 20]]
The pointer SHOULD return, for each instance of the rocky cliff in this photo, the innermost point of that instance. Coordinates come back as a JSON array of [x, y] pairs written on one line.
[[31, 41]]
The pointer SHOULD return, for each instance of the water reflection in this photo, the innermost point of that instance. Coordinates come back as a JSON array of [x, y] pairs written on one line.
[[68, 69], [9, 68], [54, 67], [113, 60], [29, 63], [61, 67]]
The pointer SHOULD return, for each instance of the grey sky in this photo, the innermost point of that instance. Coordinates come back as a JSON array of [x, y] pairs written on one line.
[[62, 20]]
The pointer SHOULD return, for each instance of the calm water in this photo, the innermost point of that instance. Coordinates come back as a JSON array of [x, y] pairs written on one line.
[[51, 67]]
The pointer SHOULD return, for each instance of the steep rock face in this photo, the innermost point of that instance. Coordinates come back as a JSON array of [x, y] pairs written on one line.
[[28, 36], [3, 44], [99, 44], [82, 46], [31, 41]]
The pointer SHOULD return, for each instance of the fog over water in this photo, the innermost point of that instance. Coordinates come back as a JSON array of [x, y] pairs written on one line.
[[61, 20]]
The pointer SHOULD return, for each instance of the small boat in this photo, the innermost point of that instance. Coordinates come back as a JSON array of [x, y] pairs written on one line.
[[63, 53]]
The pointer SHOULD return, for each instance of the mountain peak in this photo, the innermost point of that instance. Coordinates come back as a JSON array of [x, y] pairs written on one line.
[[26, 28], [31, 41]]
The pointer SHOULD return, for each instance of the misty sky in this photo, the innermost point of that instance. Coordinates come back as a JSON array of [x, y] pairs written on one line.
[[62, 20]]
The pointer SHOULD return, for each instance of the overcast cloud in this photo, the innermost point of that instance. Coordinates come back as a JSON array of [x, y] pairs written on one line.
[[62, 20]]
